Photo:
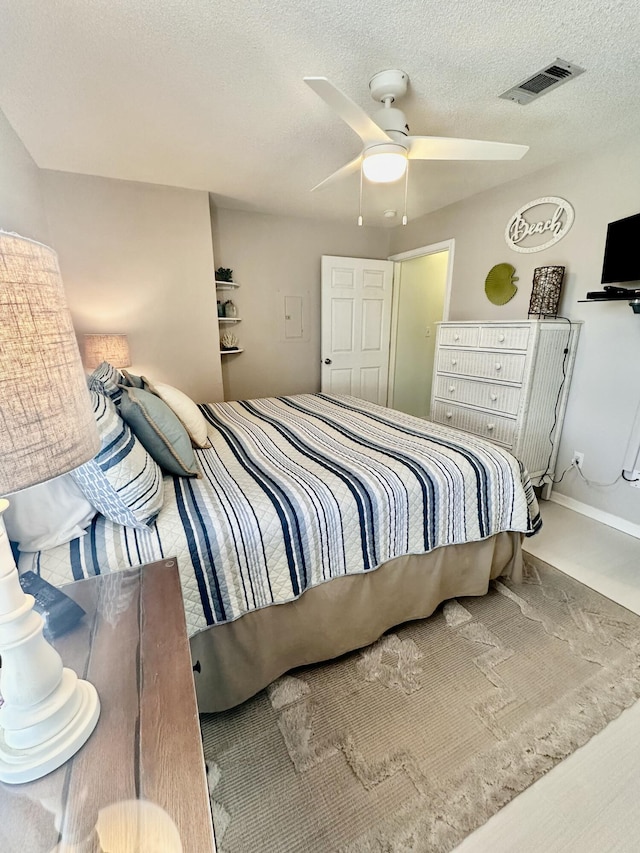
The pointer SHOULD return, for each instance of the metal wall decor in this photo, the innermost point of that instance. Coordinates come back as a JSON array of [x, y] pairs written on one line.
[[548, 220], [545, 293]]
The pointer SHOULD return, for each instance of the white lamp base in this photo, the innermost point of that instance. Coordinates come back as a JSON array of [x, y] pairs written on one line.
[[47, 713], [25, 765]]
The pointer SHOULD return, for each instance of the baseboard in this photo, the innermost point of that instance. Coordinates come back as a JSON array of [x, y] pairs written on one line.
[[597, 514]]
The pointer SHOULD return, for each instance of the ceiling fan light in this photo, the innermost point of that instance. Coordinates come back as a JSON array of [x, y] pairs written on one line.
[[384, 163]]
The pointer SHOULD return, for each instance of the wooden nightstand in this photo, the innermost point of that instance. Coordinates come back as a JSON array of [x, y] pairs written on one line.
[[132, 645]]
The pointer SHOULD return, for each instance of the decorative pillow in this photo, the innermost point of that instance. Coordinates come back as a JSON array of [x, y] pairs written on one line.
[[133, 381], [122, 481], [160, 431], [189, 414], [106, 379], [47, 515]]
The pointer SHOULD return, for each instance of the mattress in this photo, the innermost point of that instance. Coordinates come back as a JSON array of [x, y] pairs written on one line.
[[296, 491]]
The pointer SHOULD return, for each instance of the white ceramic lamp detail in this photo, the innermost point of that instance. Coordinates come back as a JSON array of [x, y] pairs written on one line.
[[47, 428]]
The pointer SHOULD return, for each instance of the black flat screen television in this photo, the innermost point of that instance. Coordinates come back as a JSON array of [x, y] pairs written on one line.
[[622, 251]]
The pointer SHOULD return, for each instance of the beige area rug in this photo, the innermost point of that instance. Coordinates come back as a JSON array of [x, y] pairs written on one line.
[[412, 743]]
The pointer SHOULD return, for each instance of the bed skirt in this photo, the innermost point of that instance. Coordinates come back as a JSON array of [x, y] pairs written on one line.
[[236, 660]]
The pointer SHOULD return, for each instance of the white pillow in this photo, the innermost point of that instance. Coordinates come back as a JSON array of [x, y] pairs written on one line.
[[186, 410], [47, 515]]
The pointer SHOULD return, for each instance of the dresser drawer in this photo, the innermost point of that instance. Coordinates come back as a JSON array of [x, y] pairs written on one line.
[[459, 336], [500, 398], [504, 337], [485, 424], [484, 365]]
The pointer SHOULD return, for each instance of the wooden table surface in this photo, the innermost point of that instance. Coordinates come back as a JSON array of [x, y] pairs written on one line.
[[145, 753]]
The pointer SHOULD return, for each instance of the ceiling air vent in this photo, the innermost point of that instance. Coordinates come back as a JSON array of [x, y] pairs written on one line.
[[544, 81]]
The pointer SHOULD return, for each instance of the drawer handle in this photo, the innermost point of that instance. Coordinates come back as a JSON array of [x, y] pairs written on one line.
[[494, 397], [501, 338], [498, 366], [452, 388], [449, 414], [454, 361], [491, 427], [456, 337]]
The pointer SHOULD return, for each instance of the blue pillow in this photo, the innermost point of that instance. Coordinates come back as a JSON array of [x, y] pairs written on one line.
[[133, 381], [122, 481], [160, 431]]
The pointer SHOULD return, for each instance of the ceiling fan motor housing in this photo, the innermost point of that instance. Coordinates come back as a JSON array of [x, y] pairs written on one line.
[[391, 120]]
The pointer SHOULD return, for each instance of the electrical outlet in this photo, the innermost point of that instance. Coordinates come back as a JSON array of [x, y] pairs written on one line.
[[635, 479], [577, 459]]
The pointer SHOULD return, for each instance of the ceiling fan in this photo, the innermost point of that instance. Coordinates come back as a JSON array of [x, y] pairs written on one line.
[[385, 136]]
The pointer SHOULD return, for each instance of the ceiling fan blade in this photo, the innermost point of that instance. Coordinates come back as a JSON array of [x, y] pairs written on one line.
[[348, 110], [348, 169], [443, 148]]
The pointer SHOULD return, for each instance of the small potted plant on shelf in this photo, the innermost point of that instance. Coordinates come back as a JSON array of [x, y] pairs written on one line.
[[223, 274]]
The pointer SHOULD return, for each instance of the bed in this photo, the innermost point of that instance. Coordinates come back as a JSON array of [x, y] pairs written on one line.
[[318, 523]]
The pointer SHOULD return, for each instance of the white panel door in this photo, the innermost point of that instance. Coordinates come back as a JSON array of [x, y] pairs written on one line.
[[356, 324]]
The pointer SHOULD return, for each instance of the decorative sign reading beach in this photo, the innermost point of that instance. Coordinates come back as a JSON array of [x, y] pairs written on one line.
[[539, 224]]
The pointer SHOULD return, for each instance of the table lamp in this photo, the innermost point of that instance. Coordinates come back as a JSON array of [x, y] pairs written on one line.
[[47, 428], [107, 347]]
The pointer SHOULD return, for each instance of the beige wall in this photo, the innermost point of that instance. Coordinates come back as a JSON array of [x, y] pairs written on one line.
[[138, 259], [606, 389], [273, 257], [422, 284], [21, 207]]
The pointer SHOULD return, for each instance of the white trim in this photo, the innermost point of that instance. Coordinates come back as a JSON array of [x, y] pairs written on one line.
[[597, 514], [432, 249]]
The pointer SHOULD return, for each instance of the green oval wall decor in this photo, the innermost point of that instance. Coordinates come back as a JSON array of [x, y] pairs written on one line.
[[499, 285]]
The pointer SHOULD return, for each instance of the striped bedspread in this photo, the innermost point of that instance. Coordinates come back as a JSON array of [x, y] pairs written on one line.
[[298, 490]]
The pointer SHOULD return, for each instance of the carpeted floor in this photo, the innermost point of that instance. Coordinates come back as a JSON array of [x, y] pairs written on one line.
[[410, 744]]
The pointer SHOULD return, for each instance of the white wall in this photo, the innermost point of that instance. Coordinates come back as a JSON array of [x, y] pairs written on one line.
[[606, 388], [273, 257], [21, 207], [138, 258]]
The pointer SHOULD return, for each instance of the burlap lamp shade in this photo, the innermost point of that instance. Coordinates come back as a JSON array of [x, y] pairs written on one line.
[[105, 347]]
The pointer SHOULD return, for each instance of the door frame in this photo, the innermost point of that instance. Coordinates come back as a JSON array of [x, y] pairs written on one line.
[[431, 249]]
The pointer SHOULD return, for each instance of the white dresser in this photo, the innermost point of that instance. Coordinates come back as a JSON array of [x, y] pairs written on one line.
[[504, 382]]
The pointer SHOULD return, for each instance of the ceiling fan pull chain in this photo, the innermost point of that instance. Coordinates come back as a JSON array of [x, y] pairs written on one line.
[[360, 207], [406, 192]]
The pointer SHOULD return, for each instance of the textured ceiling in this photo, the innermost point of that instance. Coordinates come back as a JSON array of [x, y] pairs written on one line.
[[209, 95]]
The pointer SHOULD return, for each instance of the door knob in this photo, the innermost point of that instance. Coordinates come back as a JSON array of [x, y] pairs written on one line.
[[327, 361]]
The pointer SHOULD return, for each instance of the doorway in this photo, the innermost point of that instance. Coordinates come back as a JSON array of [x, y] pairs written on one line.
[[422, 283]]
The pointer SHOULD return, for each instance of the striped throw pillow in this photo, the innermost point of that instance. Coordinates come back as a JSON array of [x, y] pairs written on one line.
[[106, 379], [122, 481]]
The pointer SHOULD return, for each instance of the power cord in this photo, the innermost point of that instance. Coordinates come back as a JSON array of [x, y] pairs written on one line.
[[547, 472], [595, 483], [620, 476]]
